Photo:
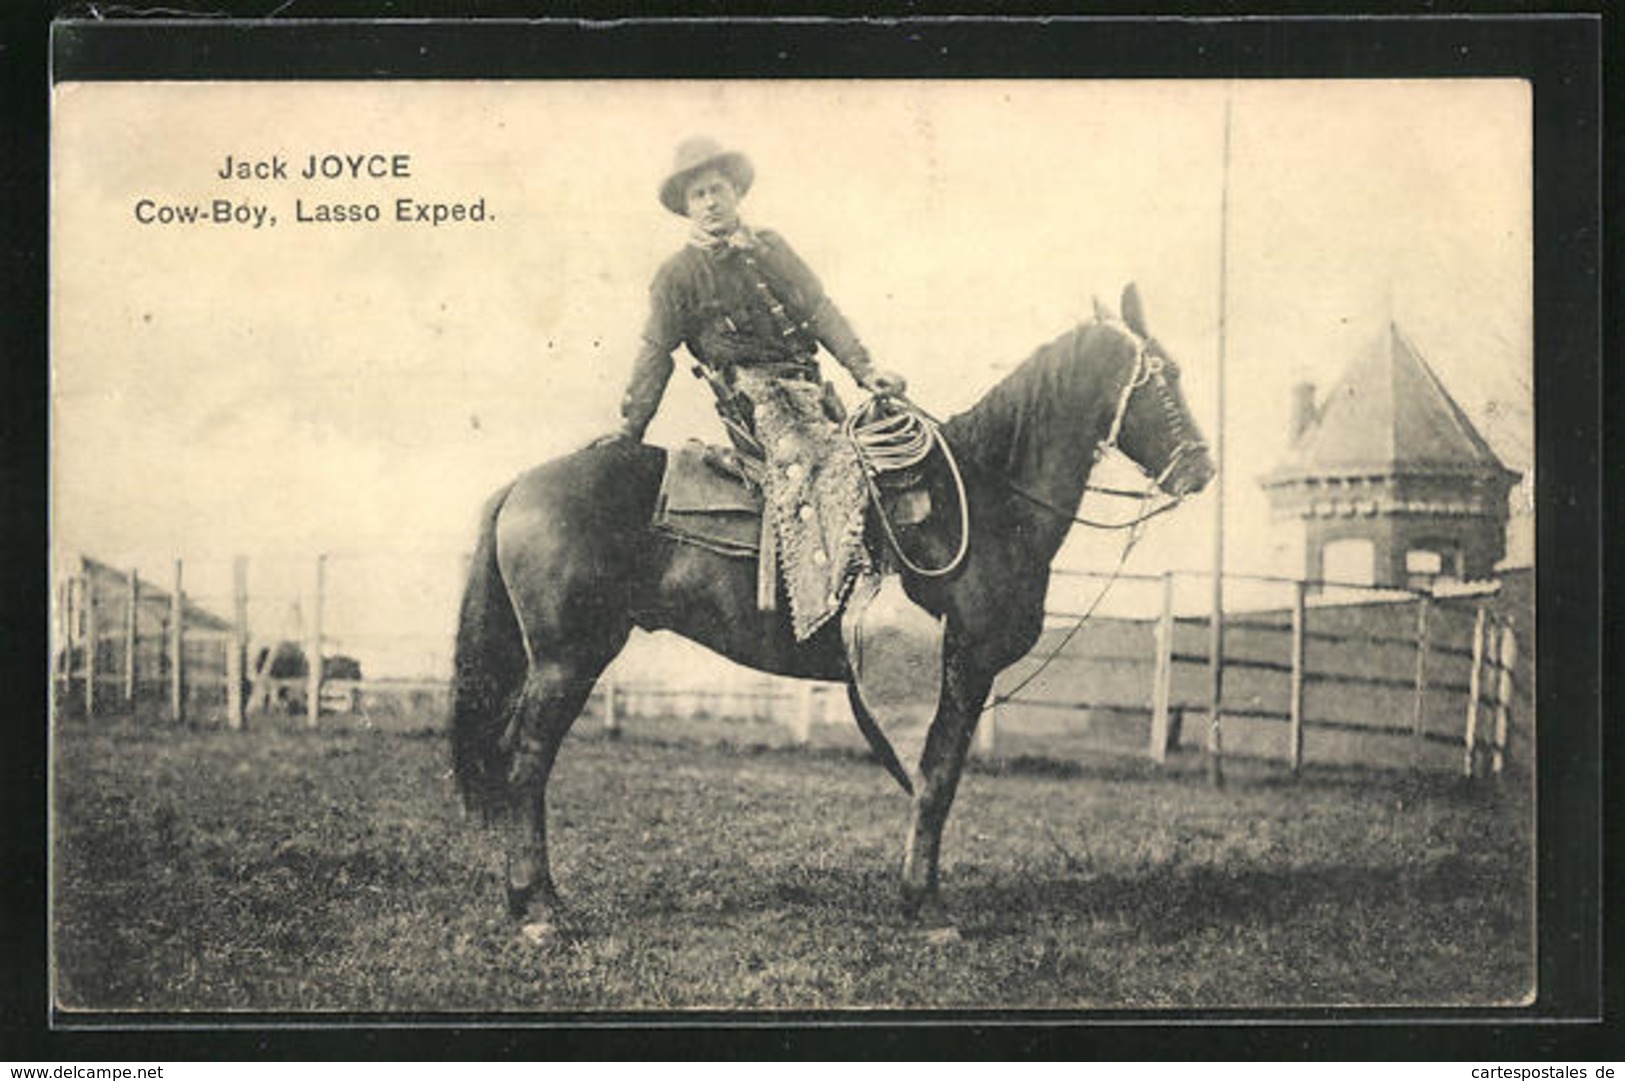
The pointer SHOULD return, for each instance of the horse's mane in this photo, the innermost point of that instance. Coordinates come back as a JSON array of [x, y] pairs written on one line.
[[1053, 391]]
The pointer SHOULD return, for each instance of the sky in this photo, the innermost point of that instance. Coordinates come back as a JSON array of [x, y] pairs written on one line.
[[360, 388]]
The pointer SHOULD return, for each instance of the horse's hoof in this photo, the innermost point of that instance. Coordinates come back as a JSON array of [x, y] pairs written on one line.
[[923, 906], [942, 936]]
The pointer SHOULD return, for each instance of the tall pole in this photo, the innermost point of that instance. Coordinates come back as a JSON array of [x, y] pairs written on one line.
[[1215, 769]]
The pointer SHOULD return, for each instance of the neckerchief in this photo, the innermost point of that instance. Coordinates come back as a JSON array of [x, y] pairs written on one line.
[[741, 239]]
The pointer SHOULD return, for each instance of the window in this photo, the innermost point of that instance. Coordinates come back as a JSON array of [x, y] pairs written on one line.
[[1423, 561], [1425, 566]]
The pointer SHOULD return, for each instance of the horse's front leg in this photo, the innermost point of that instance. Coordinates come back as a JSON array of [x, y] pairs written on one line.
[[941, 763]]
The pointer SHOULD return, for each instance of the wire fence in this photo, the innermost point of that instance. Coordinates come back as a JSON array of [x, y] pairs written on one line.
[[212, 639]]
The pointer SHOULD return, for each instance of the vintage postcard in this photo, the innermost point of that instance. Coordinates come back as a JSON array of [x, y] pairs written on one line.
[[562, 546]]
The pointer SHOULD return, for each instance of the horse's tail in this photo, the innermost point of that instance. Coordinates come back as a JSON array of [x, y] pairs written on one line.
[[489, 667]]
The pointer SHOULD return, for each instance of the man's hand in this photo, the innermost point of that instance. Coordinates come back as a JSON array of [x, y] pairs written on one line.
[[885, 381]]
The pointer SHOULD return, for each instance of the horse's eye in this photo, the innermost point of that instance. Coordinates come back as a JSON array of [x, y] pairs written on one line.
[[1154, 364]]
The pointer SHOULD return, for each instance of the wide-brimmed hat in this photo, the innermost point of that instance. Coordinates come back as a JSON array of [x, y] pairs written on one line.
[[695, 155]]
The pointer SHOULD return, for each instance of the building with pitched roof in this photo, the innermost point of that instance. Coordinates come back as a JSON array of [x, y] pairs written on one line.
[[1392, 483]]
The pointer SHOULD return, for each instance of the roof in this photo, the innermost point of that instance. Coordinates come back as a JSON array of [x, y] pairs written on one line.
[[1389, 414], [111, 580]]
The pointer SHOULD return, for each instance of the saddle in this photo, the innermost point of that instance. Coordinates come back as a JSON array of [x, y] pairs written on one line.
[[711, 498]]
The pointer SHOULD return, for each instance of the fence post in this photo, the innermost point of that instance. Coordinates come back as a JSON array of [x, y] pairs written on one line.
[[177, 648], [75, 631], [1418, 715], [987, 729], [61, 659], [237, 653], [1474, 685], [1163, 676], [313, 654], [58, 632], [1506, 657], [132, 631], [612, 713], [92, 640], [802, 730], [1300, 590]]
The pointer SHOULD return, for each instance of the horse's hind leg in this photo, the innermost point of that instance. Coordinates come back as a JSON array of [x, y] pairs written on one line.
[[553, 697]]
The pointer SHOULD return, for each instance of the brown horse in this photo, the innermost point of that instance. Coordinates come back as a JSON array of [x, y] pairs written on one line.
[[566, 566]]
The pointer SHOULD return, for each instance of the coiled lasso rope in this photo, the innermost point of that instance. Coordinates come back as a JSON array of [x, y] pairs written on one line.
[[901, 440]]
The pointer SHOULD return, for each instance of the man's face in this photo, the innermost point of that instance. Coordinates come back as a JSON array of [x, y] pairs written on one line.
[[712, 202]]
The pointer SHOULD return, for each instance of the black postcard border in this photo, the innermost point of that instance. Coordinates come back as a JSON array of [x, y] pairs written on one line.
[[1559, 53]]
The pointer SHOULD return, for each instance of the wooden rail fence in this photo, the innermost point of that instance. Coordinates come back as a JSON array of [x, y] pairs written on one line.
[[1427, 670], [1436, 671]]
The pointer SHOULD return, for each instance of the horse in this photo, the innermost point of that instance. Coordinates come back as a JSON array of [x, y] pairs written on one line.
[[566, 565]]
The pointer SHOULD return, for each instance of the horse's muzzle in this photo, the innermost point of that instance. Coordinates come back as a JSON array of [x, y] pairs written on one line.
[[1189, 473]]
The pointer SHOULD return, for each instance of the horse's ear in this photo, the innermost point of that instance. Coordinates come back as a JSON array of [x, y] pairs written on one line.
[[1103, 314], [1134, 310]]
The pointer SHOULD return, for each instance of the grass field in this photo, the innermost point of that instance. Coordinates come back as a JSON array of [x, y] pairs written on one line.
[[280, 870]]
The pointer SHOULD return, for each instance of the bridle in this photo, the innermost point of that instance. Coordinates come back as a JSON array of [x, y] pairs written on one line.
[[1149, 370]]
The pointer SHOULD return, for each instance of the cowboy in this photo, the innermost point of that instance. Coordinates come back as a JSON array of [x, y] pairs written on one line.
[[754, 317], [738, 298]]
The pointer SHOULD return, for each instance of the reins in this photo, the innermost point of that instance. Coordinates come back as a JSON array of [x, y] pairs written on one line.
[[1072, 632], [1163, 508]]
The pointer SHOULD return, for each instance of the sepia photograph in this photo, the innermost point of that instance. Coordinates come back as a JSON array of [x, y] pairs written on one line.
[[576, 547]]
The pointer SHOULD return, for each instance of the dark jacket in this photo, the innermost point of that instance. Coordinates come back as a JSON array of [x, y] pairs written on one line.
[[720, 305]]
